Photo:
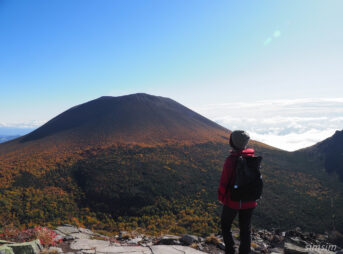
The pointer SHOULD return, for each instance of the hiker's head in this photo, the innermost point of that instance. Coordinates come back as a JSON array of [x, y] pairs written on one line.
[[239, 140]]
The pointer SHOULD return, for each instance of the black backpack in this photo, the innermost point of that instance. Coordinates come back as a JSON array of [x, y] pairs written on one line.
[[248, 184]]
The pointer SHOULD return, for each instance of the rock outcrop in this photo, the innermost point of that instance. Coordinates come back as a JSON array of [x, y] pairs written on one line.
[[84, 241], [33, 247]]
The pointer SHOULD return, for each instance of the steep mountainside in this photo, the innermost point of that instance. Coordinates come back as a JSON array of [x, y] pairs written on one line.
[[331, 149], [146, 161]]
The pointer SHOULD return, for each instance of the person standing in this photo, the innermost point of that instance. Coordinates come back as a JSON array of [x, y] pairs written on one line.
[[238, 141]]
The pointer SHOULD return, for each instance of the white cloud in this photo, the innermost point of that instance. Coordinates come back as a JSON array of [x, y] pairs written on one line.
[[288, 124], [22, 125], [293, 141]]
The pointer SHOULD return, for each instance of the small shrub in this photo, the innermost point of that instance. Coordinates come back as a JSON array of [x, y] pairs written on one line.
[[212, 239], [46, 236], [13, 234], [254, 245], [194, 245]]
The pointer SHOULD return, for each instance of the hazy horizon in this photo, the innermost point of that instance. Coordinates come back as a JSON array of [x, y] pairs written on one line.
[[286, 124]]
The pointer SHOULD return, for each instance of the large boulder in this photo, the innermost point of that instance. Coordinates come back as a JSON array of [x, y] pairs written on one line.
[[6, 250], [67, 230], [169, 240], [189, 239], [33, 247]]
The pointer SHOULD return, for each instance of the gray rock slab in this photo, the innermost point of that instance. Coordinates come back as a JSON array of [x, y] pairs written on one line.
[[125, 249], [88, 251], [174, 249], [87, 244], [86, 231], [67, 230], [56, 249], [80, 236]]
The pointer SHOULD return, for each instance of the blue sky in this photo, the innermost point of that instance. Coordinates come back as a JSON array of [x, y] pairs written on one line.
[[56, 54]]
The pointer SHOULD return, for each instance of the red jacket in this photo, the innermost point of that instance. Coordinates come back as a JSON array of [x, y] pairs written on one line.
[[228, 175]]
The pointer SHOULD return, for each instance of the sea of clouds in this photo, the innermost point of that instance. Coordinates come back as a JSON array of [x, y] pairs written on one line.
[[286, 124], [18, 128]]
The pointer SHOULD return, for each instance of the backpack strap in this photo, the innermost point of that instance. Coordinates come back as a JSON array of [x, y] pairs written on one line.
[[232, 177]]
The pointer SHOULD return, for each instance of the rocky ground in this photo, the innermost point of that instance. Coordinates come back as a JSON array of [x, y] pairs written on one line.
[[75, 240], [83, 241]]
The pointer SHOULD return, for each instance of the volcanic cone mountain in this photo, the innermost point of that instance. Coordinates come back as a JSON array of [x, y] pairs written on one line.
[[137, 118]]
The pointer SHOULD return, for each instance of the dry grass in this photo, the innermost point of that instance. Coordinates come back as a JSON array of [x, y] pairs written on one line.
[[212, 239], [194, 245]]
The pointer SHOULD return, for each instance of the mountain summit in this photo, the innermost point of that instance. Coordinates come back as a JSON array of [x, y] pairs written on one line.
[[136, 118]]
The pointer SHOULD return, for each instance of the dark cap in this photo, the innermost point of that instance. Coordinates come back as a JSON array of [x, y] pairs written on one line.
[[239, 139]]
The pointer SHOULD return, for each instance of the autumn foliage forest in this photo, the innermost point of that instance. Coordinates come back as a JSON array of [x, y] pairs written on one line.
[[159, 189]]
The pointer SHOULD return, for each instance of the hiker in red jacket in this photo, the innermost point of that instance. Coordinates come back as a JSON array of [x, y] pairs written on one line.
[[238, 141]]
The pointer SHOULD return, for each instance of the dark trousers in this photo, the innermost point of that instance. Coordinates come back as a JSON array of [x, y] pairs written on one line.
[[244, 216]]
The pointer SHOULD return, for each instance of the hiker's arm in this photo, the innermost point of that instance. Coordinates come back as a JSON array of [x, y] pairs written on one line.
[[224, 179]]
